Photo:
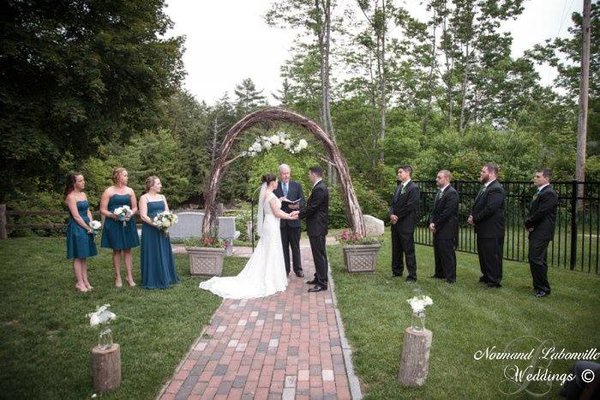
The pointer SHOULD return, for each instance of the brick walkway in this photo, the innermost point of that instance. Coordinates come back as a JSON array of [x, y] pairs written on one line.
[[287, 346]]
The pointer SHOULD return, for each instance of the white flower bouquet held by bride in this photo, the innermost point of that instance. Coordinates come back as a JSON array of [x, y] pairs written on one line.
[[123, 213], [164, 221]]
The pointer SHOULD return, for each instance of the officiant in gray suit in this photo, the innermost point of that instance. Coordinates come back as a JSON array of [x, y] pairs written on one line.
[[292, 199]]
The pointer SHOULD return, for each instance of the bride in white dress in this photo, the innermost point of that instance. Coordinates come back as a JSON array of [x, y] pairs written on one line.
[[264, 273]]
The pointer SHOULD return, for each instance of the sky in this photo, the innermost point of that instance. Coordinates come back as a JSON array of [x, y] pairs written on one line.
[[228, 41]]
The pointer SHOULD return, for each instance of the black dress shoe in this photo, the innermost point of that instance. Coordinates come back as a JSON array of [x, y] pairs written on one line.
[[410, 279], [312, 282], [494, 285], [300, 274], [483, 279], [541, 293], [396, 275], [451, 281], [317, 288]]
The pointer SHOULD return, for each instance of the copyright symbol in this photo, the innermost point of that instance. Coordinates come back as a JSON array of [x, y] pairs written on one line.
[[587, 375]]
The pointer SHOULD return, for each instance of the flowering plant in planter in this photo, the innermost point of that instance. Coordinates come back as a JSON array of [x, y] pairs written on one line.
[[351, 238]]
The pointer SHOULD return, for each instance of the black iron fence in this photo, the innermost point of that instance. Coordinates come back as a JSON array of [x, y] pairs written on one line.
[[576, 243]]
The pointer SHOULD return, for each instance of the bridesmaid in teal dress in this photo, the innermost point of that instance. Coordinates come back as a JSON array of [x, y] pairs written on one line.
[[80, 238], [119, 235], [158, 265]]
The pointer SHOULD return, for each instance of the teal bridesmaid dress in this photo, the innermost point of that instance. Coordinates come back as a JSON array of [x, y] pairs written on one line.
[[158, 265], [80, 244], [117, 235]]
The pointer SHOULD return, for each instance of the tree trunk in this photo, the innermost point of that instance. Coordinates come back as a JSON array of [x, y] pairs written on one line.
[[324, 50], [433, 63], [106, 368], [465, 81], [583, 98], [3, 233], [414, 365], [382, 78]]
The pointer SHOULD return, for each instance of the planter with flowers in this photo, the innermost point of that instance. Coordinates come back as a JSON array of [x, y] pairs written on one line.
[[206, 259], [360, 252]]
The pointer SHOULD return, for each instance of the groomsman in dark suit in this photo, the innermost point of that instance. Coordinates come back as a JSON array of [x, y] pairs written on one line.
[[289, 192], [540, 224], [487, 215], [403, 216], [316, 213], [443, 223]]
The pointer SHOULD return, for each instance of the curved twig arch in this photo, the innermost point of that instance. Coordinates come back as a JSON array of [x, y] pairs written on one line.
[[351, 207]]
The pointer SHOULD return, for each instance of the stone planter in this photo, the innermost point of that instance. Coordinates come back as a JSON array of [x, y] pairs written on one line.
[[361, 258], [206, 261]]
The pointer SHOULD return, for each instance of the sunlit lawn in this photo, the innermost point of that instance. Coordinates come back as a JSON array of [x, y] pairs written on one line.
[[45, 337], [464, 318]]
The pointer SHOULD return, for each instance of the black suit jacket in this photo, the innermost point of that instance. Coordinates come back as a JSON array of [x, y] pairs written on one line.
[[294, 193], [542, 214], [445, 215], [316, 211], [405, 206], [488, 211]]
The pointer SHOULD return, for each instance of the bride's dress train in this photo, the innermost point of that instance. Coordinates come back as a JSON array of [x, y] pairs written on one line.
[[264, 273]]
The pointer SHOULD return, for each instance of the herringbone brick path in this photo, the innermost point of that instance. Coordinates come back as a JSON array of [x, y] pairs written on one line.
[[286, 346]]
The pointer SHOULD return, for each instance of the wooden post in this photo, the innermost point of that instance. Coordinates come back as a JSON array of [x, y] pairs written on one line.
[[106, 368], [414, 365], [2, 221]]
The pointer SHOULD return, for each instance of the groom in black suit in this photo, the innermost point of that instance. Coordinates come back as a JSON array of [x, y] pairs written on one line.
[[288, 192], [316, 213], [487, 215], [443, 223], [540, 225], [403, 216]]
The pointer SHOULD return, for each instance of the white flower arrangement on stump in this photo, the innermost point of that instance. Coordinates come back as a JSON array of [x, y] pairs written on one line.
[[103, 315], [418, 304]]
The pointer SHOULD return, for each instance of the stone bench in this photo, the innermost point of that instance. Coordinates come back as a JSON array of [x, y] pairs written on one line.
[[189, 225]]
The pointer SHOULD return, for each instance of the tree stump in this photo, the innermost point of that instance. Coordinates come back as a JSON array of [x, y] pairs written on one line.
[[106, 368], [414, 365]]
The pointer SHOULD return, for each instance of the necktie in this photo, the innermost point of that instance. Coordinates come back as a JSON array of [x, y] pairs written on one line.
[[438, 195], [285, 189]]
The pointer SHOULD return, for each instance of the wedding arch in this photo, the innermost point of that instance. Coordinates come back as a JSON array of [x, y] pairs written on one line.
[[351, 207]]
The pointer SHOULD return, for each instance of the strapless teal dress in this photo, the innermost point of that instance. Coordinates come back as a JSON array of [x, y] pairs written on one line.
[[158, 264], [79, 243], [115, 234]]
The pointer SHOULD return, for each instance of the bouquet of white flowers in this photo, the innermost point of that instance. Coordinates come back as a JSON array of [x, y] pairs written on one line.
[[103, 315], [418, 304], [123, 213], [164, 221], [95, 225]]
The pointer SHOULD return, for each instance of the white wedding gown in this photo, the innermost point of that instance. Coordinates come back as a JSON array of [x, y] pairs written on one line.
[[264, 273]]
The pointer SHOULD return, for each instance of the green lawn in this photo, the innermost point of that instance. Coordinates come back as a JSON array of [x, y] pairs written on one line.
[[45, 337], [464, 318]]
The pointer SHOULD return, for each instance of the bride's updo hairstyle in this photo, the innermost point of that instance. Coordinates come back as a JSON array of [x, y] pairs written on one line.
[[268, 178]]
